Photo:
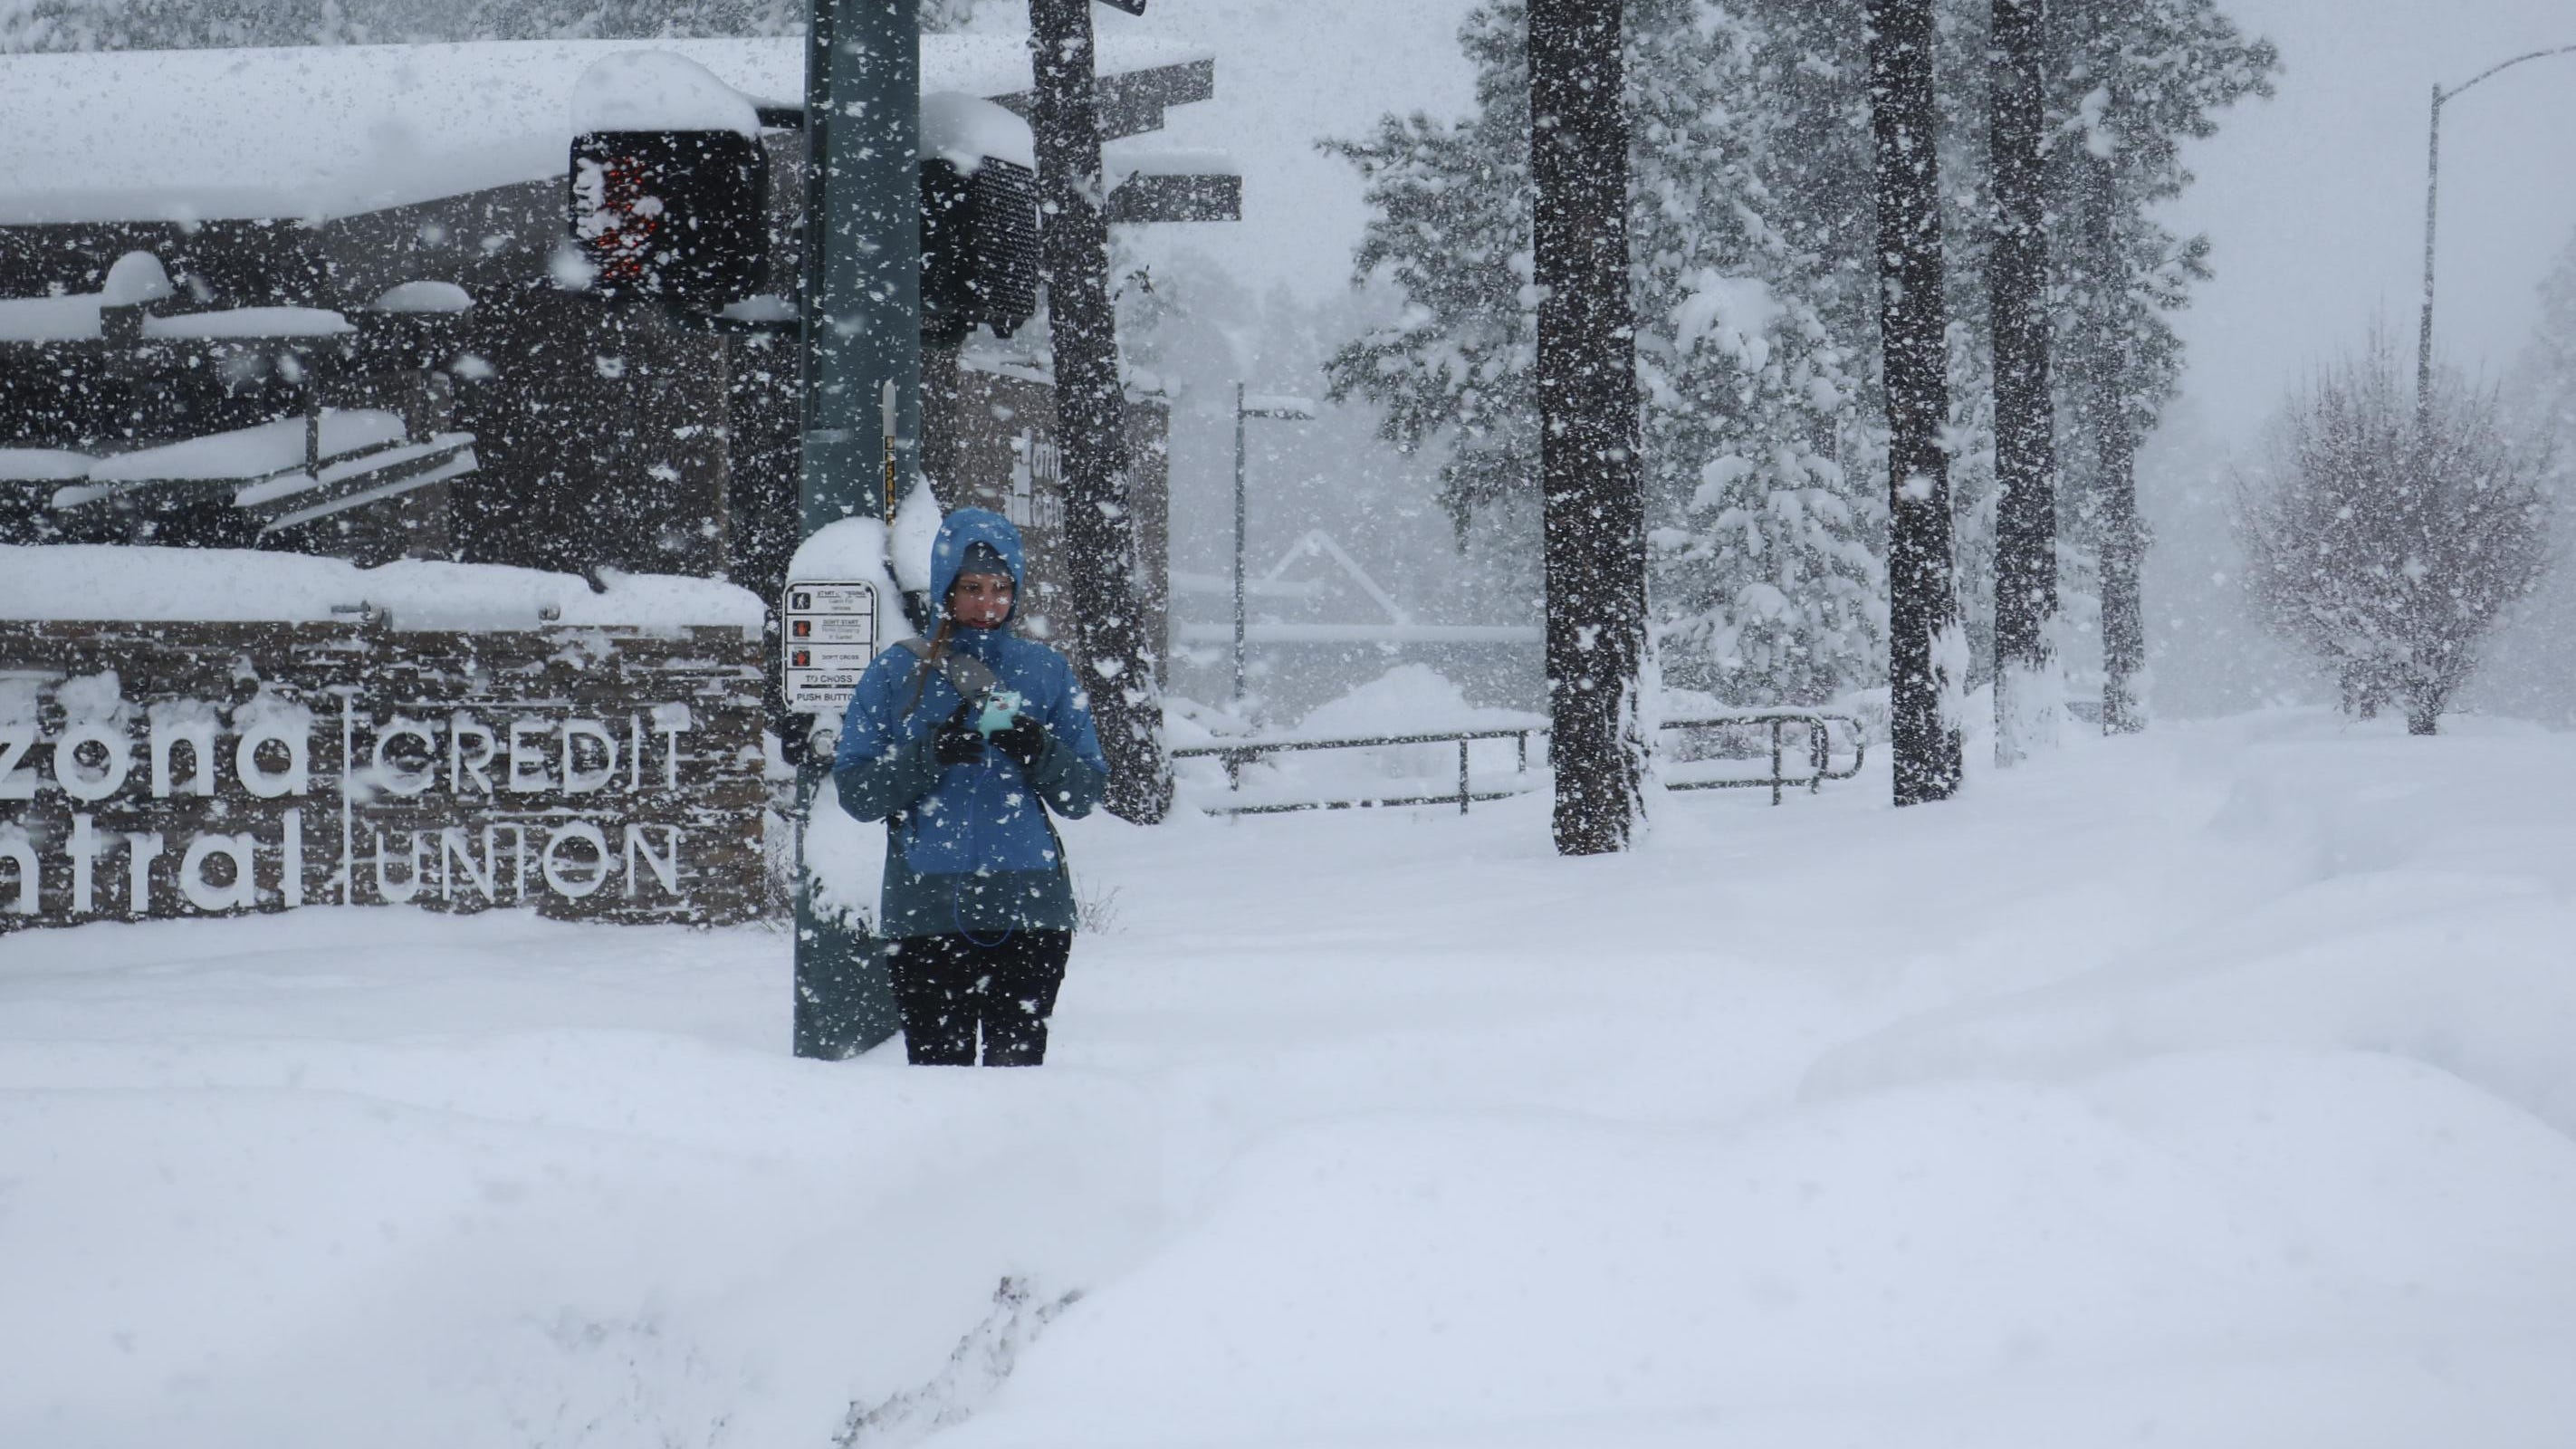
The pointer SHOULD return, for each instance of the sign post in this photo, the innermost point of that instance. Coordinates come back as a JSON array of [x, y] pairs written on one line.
[[861, 316]]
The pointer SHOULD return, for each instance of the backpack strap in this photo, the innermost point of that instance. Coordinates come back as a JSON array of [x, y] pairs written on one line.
[[968, 675]]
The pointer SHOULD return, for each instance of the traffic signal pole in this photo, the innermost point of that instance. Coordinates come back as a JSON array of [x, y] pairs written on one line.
[[862, 305], [861, 315]]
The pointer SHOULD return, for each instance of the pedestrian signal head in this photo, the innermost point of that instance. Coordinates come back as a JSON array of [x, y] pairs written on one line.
[[679, 216]]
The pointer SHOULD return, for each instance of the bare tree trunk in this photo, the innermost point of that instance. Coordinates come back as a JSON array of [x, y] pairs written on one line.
[[2114, 428], [1594, 510], [1119, 669], [2027, 689], [1923, 609], [2424, 701]]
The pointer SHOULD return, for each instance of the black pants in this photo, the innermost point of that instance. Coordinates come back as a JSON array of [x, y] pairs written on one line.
[[950, 986]]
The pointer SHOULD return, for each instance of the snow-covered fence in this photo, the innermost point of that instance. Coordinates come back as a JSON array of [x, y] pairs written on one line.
[[1239, 753], [1774, 724], [193, 768]]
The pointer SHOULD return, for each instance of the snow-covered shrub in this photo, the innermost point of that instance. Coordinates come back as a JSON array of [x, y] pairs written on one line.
[[2393, 530]]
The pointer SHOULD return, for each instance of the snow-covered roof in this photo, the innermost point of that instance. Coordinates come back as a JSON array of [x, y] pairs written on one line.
[[258, 451], [44, 465], [315, 132], [75, 318], [101, 581]]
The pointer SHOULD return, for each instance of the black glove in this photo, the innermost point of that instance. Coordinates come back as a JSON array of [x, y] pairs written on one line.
[[956, 742], [1024, 740]]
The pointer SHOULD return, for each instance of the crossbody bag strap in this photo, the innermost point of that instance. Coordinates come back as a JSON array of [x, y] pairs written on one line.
[[966, 674]]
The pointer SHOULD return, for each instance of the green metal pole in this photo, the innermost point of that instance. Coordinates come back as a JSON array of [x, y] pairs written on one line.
[[862, 331]]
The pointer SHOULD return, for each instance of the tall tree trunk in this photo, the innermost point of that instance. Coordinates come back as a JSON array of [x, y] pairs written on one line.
[[2028, 691], [2113, 424], [1924, 645], [1594, 509], [1119, 669]]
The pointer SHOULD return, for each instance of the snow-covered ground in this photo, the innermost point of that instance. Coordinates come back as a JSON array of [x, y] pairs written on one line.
[[2211, 1088]]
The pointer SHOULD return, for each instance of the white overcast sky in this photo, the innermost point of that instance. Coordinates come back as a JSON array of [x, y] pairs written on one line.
[[2314, 199]]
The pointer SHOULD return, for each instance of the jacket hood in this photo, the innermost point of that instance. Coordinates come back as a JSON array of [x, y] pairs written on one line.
[[961, 531]]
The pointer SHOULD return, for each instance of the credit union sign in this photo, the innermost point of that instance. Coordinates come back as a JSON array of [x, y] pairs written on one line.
[[161, 770]]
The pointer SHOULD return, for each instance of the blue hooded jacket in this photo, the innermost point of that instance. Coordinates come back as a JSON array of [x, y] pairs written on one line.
[[969, 847]]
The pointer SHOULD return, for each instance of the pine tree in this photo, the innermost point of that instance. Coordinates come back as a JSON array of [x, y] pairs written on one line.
[[2027, 690], [1587, 406], [1091, 406], [2110, 410], [1768, 588], [71, 25], [1452, 234], [1752, 335], [2533, 671], [1751, 199], [2544, 398], [2132, 81], [1926, 644]]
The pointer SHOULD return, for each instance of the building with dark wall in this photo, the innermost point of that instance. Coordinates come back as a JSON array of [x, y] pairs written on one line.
[[379, 233], [1004, 457]]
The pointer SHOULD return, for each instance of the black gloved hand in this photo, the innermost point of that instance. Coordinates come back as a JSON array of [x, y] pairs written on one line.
[[956, 742], [1024, 740]]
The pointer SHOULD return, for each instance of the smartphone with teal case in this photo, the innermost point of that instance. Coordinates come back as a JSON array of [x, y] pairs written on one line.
[[1001, 706]]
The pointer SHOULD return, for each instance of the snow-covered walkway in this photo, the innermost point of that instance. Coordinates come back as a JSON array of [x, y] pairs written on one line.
[[2212, 1088]]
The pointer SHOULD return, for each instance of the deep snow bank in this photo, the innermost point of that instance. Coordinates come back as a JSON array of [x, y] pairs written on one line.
[[369, 1177], [2196, 1088], [2424, 899]]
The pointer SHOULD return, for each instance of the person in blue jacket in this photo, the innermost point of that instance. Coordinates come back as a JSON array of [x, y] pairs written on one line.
[[962, 745]]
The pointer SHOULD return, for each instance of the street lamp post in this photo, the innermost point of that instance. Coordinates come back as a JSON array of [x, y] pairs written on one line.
[[1292, 409], [2432, 185]]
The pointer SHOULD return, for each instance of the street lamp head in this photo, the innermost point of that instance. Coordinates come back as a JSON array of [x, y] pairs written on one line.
[[2441, 94], [2432, 193]]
